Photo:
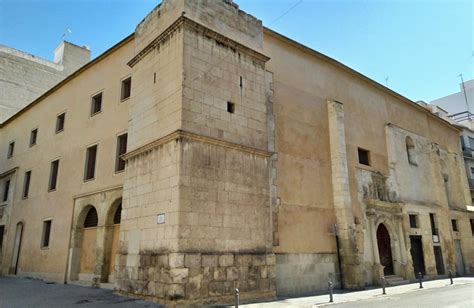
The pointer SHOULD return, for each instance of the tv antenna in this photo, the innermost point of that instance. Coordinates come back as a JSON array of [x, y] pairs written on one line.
[[66, 32], [464, 91]]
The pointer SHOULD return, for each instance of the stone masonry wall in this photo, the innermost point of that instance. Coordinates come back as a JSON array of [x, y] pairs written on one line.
[[199, 277]]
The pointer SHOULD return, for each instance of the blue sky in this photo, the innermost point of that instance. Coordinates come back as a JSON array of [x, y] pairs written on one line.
[[420, 45]]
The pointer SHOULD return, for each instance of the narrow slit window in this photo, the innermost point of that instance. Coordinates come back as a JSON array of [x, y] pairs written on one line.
[[33, 137], [121, 149], [46, 233], [11, 149], [364, 156], [2, 231], [91, 154], [230, 107], [60, 122], [454, 224], [126, 88], [413, 221], [96, 105], [53, 175], [26, 184], [6, 189]]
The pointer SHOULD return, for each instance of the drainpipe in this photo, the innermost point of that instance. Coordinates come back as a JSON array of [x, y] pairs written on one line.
[[339, 257]]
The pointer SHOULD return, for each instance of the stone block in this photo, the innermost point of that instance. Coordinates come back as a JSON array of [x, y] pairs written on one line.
[[243, 260], [271, 259], [192, 260], [232, 273], [243, 272], [226, 260], [162, 261], [179, 275], [219, 274], [159, 290], [209, 260], [165, 276], [271, 271], [207, 273], [264, 285], [258, 260], [216, 288], [263, 272], [176, 260], [174, 291]]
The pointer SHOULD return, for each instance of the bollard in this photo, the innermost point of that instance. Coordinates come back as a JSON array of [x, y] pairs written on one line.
[[420, 279], [450, 274], [330, 291], [237, 298], [383, 286]]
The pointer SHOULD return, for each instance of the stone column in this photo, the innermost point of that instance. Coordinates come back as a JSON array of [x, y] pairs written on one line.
[[403, 247], [350, 266], [377, 267]]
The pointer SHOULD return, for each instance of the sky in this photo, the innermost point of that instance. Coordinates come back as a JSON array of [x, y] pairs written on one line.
[[421, 46]]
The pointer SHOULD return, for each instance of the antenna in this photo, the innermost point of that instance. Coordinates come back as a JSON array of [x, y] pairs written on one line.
[[65, 34], [386, 81], [464, 91]]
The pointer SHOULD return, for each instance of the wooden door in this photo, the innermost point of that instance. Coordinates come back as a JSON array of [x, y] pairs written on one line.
[[385, 249]]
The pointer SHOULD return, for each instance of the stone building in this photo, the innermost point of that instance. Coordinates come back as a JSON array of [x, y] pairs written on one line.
[[205, 152], [24, 77]]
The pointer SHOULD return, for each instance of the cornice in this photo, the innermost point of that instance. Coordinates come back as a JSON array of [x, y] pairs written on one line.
[[181, 135]]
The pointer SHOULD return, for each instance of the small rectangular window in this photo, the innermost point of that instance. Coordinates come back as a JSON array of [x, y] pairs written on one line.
[[11, 149], [2, 231], [126, 88], [96, 105], [364, 156], [230, 107], [91, 155], [121, 149], [53, 175], [26, 184], [46, 233], [6, 188], [454, 224], [413, 221], [33, 136], [60, 122], [472, 226], [434, 230]]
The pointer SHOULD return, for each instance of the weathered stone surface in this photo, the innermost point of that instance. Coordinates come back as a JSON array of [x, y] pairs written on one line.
[[258, 260], [179, 275], [271, 259], [209, 260], [226, 260], [219, 274], [192, 260], [243, 260], [232, 273], [174, 291], [176, 260]]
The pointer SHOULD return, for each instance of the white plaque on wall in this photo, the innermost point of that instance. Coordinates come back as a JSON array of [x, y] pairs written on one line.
[[160, 219]]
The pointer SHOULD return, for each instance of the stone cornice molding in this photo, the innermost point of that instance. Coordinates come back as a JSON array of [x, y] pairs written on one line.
[[184, 135], [8, 172], [183, 21]]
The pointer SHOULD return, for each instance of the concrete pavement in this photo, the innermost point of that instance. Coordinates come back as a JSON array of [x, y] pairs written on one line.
[[462, 291]]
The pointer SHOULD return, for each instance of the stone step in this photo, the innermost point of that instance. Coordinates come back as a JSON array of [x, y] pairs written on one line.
[[394, 280]]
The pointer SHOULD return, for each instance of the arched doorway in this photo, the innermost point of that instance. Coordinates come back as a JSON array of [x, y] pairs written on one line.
[[17, 248], [385, 249], [115, 232], [88, 245]]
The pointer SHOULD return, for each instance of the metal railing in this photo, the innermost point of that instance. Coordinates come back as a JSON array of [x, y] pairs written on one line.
[[462, 116]]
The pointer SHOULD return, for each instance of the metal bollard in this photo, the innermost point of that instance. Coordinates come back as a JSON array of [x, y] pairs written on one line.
[[420, 279], [450, 274], [383, 285], [330, 291], [237, 298]]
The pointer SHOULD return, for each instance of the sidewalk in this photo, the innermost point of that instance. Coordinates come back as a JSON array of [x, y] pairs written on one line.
[[344, 297]]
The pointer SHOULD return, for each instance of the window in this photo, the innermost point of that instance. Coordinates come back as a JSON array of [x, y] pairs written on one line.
[[410, 151], [33, 136], [46, 233], [434, 230], [230, 107], [26, 184], [96, 105], [53, 175], [126, 88], [121, 149], [2, 230], [118, 214], [11, 148], [91, 154], [472, 172], [472, 226], [364, 156], [471, 142], [6, 188], [454, 224], [60, 122], [91, 219], [413, 221]]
